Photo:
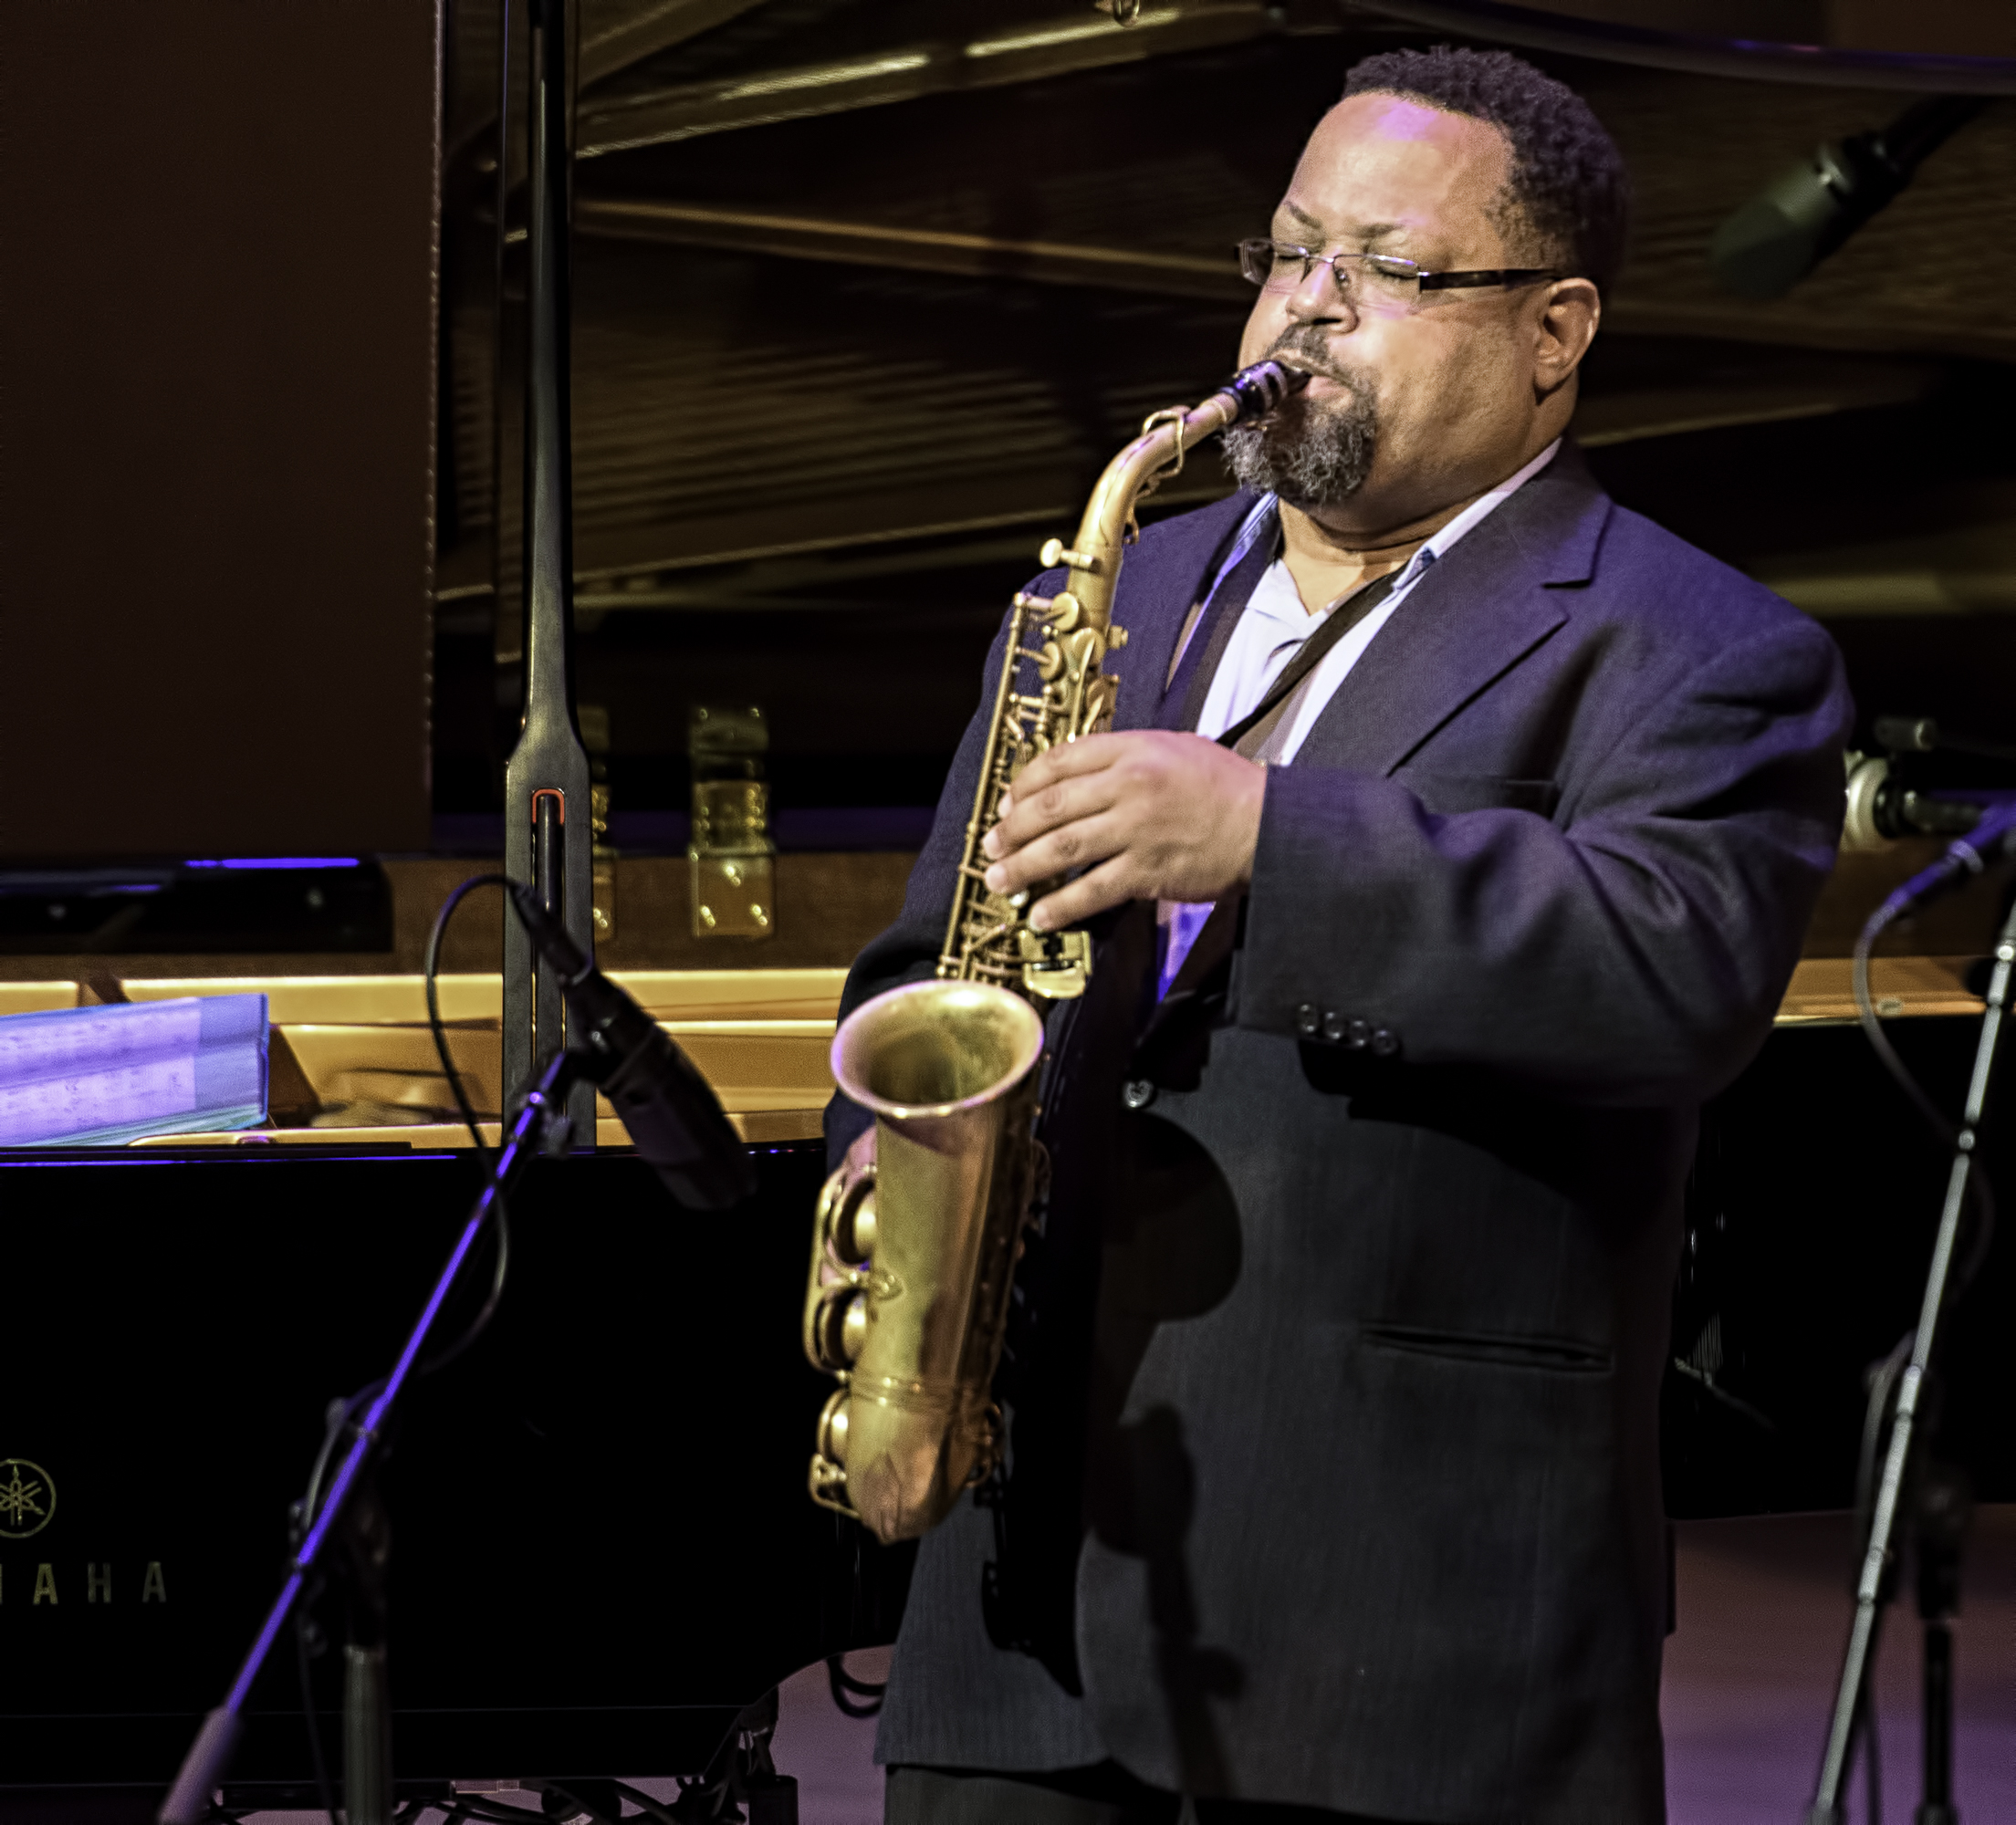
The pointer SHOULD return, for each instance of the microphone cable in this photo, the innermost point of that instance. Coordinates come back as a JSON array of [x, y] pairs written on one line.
[[342, 1411], [1943, 1130]]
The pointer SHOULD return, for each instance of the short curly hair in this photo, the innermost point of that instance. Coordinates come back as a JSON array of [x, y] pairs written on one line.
[[1568, 187]]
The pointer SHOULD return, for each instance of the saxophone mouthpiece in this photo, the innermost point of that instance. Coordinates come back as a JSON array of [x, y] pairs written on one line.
[[1258, 390]]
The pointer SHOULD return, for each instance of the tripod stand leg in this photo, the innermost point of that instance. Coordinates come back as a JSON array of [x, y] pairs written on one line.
[[1944, 1506], [1938, 1807], [367, 1737], [363, 1565]]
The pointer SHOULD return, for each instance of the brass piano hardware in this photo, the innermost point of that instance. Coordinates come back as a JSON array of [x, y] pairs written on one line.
[[593, 719], [605, 863], [731, 877]]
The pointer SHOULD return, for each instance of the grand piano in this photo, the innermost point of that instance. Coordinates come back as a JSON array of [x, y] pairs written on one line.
[[862, 296]]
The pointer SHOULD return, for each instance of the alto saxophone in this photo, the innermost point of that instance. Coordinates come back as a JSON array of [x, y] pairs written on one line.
[[912, 1256]]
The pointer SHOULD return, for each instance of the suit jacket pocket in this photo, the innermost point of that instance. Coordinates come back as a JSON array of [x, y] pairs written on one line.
[[1446, 794], [1563, 1355]]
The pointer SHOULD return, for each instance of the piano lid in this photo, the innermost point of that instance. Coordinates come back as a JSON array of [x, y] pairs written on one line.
[[866, 294], [1967, 48]]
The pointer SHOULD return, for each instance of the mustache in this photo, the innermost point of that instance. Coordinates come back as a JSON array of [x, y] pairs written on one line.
[[1302, 347]]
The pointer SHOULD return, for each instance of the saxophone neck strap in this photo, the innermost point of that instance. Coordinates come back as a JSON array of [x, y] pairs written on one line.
[[1259, 721]]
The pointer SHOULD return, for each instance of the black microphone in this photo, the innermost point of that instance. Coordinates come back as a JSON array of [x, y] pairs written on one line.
[[669, 1110], [1882, 807], [1805, 213]]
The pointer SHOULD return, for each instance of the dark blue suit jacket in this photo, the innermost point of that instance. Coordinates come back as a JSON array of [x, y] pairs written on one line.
[[1335, 1381]]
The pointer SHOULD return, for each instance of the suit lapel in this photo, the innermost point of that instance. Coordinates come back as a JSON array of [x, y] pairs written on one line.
[[1159, 579], [1477, 613]]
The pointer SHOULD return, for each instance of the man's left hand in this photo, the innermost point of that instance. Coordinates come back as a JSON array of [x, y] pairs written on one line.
[[1149, 815]]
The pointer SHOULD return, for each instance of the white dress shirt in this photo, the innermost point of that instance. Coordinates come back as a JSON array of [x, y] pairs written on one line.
[[1271, 632]]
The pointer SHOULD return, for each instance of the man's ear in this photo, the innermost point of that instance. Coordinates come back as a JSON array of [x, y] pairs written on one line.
[[1565, 327]]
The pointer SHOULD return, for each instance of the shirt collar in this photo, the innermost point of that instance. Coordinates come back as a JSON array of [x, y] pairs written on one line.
[[1263, 520], [1437, 544]]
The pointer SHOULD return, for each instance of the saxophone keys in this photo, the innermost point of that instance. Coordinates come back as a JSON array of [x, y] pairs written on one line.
[[1116, 638], [1055, 552]]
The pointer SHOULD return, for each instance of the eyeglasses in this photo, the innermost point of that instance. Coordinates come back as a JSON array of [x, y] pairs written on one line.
[[1279, 266]]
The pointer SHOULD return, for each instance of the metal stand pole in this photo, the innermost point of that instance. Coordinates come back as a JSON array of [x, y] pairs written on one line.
[[209, 1757], [366, 1561], [545, 779], [1827, 1807]]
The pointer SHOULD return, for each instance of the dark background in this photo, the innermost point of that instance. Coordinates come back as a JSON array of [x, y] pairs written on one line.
[[216, 448]]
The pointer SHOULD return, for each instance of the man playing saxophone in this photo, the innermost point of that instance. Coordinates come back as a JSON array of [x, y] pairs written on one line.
[[1454, 841]]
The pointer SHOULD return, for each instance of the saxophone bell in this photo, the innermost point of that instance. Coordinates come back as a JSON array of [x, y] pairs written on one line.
[[913, 1258]]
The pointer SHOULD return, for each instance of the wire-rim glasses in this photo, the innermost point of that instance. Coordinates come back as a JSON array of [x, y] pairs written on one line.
[[1280, 265]]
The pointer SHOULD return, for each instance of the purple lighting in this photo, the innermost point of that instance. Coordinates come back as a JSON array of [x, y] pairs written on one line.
[[279, 861], [104, 1075]]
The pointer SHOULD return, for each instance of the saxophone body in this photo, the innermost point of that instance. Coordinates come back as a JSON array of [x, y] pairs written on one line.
[[913, 1256]]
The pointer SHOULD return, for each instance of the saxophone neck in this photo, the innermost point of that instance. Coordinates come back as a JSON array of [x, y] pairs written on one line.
[[1093, 557]]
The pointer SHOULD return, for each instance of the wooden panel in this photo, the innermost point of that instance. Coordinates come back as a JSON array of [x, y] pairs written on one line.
[[1821, 989]]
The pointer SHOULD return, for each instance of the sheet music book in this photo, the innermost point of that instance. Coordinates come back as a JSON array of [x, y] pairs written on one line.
[[104, 1075]]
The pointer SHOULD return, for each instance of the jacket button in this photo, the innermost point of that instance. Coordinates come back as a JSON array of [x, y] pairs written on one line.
[[1307, 1020], [1359, 1036], [1333, 1028], [1385, 1042], [1138, 1094]]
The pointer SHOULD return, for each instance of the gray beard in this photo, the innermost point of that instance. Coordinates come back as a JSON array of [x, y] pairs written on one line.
[[1311, 455]]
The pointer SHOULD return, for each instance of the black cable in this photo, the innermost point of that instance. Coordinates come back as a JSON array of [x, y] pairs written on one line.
[[1977, 1185], [435, 1021], [848, 1691], [500, 1217], [1883, 1385], [644, 1803], [1878, 922]]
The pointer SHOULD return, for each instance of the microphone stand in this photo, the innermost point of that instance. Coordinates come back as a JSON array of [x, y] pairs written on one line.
[[204, 1768], [1828, 1806]]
